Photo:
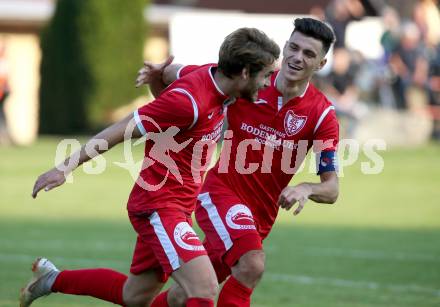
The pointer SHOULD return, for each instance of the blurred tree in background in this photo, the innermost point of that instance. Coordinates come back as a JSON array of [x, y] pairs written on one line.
[[91, 51]]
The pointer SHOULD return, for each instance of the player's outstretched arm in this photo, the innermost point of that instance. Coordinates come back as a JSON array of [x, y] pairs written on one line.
[[326, 191], [158, 76], [97, 145]]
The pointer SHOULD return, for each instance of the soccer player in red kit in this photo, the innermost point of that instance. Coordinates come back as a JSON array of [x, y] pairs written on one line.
[[268, 140], [177, 125]]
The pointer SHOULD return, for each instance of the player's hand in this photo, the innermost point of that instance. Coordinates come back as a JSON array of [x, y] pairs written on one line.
[[152, 71], [291, 195], [48, 181]]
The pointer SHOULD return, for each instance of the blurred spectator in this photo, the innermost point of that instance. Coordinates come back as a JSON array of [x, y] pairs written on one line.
[[409, 64], [427, 17], [339, 14], [4, 92], [317, 12], [390, 37], [342, 90], [389, 41], [434, 86]]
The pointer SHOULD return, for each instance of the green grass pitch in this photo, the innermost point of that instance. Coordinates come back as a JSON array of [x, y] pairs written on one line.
[[379, 245]]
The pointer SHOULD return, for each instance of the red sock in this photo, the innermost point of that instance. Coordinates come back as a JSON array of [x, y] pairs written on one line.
[[234, 294], [161, 300], [104, 284], [199, 302]]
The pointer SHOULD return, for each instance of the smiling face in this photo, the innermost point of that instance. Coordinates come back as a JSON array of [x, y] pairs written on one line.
[[303, 56], [251, 85]]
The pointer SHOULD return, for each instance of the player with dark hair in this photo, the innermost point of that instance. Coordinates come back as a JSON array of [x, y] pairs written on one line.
[[237, 208], [191, 111]]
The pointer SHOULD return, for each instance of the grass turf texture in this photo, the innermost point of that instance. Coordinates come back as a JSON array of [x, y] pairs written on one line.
[[378, 246]]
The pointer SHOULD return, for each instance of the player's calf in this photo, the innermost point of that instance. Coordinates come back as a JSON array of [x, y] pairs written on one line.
[[175, 296], [139, 290]]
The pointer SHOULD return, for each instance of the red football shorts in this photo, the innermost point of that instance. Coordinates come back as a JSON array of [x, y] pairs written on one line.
[[229, 227], [165, 240]]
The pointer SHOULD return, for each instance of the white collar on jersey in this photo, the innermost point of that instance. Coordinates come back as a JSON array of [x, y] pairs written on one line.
[[305, 90], [276, 78], [213, 81]]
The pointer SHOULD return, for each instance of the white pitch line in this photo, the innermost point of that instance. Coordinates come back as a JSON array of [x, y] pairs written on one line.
[[347, 283], [278, 277]]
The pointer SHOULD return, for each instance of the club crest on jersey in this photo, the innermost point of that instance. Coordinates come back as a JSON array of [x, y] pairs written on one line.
[[186, 238], [240, 217], [293, 123]]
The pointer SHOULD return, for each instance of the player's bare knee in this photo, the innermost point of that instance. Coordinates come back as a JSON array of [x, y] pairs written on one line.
[[250, 268], [135, 300], [205, 287], [197, 278], [134, 297], [211, 289], [177, 296]]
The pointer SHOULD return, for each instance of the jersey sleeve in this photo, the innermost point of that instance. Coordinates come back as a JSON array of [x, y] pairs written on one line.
[[175, 107], [185, 70], [326, 140]]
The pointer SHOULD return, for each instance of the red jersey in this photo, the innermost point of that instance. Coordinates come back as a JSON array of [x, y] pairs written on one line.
[[189, 114], [272, 128]]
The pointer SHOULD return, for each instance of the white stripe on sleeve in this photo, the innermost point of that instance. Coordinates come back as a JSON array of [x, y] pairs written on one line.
[[194, 104], [321, 118], [178, 71], [138, 121]]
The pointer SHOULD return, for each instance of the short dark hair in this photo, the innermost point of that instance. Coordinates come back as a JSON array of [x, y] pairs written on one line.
[[316, 29], [246, 48]]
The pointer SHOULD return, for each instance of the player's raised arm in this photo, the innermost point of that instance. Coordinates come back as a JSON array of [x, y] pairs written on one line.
[[158, 76], [97, 145]]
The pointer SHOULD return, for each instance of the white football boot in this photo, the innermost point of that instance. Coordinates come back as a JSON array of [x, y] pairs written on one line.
[[44, 275]]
